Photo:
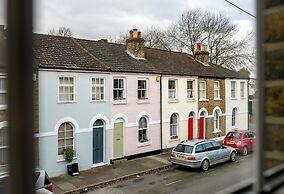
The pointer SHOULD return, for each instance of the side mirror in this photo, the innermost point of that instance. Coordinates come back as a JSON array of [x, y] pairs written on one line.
[[224, 147]]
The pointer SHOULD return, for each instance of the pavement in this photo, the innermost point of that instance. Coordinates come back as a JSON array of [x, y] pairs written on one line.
[[101, 176]]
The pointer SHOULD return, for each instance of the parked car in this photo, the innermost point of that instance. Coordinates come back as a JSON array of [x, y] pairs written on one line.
[[201, 154], [242, 140], [43, 184]]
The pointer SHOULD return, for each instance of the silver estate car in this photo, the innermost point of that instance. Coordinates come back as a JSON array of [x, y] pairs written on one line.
[[201, 154]]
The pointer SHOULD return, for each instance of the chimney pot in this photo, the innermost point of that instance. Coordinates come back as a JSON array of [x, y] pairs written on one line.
[[130, 34], [135, 35], [198, 46], [139, 35]]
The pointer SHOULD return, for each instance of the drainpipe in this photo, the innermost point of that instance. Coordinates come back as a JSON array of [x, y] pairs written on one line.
[[161, 111]]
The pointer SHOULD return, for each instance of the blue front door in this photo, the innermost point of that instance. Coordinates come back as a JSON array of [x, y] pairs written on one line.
[[97, 144]]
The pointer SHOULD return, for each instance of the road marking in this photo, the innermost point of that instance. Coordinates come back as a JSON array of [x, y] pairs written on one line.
[[172, 182]]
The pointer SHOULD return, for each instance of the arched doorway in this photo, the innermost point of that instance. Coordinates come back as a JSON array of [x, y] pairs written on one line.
[[118, 138], [190, 125], [98, 141], [201, 125]]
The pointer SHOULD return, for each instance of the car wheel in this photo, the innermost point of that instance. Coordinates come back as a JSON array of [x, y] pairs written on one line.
[[245, 151], [205, 165], [233, 157]]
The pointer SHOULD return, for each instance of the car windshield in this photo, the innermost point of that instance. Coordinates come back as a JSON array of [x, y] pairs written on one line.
[[183, 148], [233, 135]]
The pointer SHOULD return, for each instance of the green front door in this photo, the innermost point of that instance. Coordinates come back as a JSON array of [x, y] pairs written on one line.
[[118, 140]]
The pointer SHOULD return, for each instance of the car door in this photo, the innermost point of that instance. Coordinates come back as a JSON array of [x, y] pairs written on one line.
[[252, 140], [219, 153], [246, 140], [209, 152]]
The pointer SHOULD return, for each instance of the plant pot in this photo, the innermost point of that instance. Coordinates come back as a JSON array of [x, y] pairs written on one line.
[[73, 169]]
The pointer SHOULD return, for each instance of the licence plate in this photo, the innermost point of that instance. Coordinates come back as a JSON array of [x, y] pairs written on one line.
[[230, 142], [180, 157]]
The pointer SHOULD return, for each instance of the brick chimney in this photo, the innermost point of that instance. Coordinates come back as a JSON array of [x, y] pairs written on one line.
[[135, 43], [201, 53]]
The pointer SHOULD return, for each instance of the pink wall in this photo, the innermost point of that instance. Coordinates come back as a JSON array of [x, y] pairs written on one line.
[[132, 109]]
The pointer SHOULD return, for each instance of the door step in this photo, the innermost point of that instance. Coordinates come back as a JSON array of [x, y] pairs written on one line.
[[118, 160]]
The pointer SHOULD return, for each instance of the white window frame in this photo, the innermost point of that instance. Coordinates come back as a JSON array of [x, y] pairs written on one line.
[[217, 89], [147, 130], [4, 92], [233, 90], [172, 90], [202, 90], [61, 156], [174, 136], [94, 85], [216, 120], [66, 85], [123, 89], [147, 88], [242, 89], [190, 90]]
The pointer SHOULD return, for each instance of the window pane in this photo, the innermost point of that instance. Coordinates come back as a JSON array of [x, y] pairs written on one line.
[[172, 84], [143, 123]]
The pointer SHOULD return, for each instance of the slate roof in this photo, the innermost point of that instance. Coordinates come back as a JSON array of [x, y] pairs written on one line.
[[57, 52], [177, 63]]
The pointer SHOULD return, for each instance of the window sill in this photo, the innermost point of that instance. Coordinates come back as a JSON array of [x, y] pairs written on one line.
[[142, 101], [203, 100], [119, 102], [98, 101], [174, 139], [217, 99], [234, 98], [173, 101], [63, 160], [217, 131], [144, 144], [67, 102], [243, 98], [190, 100]]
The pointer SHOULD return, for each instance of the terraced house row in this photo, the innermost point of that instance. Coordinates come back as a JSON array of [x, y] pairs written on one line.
[[109, 101]]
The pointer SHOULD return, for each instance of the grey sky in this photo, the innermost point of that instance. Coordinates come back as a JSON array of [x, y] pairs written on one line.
[[95, 19]]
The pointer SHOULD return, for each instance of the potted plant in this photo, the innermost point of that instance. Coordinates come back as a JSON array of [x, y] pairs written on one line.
[[72, 169]]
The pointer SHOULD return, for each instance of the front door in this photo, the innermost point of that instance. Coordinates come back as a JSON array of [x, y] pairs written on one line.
[[201, 128], [97, 144], [190, 128], [118, 140]]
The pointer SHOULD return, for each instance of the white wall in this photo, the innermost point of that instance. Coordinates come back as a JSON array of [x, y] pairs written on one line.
[[240, 103]]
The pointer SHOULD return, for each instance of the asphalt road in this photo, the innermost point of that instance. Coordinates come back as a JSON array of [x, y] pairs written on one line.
[[184, 180]]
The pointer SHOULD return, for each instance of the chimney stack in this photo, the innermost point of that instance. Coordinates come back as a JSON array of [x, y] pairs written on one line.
[[103, 40], [135, 43], [201, 53]]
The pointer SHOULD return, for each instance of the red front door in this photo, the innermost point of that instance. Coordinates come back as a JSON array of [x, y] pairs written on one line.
[[190, 128], [201, 128]]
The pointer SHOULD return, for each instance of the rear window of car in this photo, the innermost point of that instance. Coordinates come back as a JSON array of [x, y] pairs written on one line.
[[183, 148], [233, 135]]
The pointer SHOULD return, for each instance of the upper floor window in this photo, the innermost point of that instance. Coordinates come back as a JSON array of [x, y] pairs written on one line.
[[119, 89], [190, 89], [202, 89], [3, 91], [233, 89], [172, 88], [142, 92], [98, 88], [242, 89], [216, 90], [66, 89], [143, 130], [173, 125], [65, 137]]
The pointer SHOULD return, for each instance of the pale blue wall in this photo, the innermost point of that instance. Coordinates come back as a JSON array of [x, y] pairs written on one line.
[[82, 111]]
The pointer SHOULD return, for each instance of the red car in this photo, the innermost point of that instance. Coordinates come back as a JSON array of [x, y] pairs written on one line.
[[242, 140]]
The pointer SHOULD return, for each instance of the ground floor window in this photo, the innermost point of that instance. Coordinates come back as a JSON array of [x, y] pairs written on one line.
[[143, 130], [65, 137], [173, 126]]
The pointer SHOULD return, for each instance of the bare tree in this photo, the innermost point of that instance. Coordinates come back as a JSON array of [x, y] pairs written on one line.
[[156, 38], [62, 31]]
